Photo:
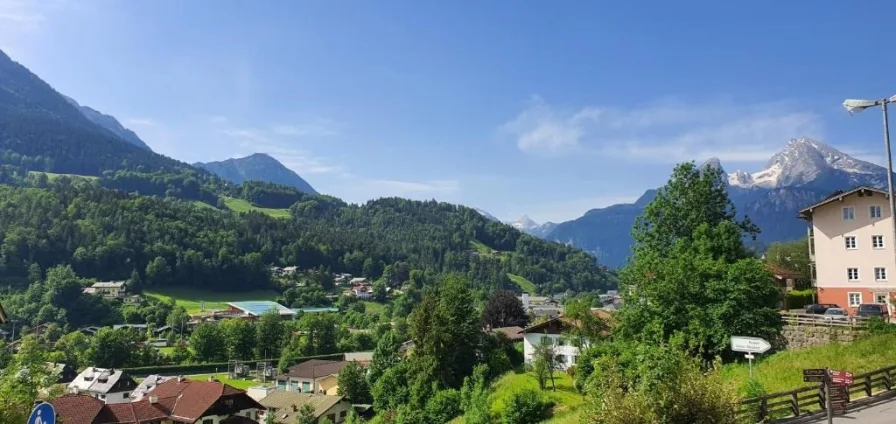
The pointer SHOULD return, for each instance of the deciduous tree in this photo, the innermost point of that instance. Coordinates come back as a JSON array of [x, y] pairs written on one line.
[[504, 309], [691, 275]]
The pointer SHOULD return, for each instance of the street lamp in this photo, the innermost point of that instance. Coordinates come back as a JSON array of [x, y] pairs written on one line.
[[855, 106]]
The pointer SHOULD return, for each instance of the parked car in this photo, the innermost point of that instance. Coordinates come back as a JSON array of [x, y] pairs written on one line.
[[872, 310], [820, 308], [836, 314]]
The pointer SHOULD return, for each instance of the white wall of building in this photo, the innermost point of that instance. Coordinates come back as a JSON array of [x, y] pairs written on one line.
[[569, 354]]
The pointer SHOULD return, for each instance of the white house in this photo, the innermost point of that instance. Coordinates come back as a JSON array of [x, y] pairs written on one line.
[[107, 289], [107, 385], [554, 332]]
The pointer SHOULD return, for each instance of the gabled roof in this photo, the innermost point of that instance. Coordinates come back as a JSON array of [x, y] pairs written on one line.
[[563, 323], [806, 213], [109, 284], [314, 368], [782, 273], [102, 380], [194, 398], [511, 333], [283, 401], [77, 409]]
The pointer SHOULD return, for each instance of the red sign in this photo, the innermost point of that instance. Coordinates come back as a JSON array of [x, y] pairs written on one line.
[[841, 377]]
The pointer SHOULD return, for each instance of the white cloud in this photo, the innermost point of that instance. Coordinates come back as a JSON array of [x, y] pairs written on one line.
[[662, 132], [403, 188]]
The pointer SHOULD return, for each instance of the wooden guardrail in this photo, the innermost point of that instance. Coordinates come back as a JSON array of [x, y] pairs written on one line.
[[809, 399], [817, 320]]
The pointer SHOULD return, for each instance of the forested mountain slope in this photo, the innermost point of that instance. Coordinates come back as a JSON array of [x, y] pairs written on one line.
[[107, 234]]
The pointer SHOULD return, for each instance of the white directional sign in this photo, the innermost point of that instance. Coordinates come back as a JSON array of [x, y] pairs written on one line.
[[749, 344]]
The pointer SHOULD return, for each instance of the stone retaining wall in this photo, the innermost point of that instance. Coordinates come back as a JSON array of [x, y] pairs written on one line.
[[800, 336]]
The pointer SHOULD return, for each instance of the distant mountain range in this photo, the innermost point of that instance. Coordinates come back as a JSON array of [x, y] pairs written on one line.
[[527, 225], [257, 167], [803, 172], [109, 123]]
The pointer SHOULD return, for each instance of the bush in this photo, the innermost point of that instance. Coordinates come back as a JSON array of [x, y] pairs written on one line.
[[668, 387], [524, 407], [799, 299], [444, 406]]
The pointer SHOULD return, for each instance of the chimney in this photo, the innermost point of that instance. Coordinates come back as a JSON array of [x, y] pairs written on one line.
[[526, 301], [153, 399], [180, 379], [294, 408], [211, 378]]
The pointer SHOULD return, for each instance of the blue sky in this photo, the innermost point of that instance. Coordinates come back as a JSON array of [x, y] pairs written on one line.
[[543, 108]]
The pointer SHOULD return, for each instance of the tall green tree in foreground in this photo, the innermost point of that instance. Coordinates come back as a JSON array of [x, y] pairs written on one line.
[[691, 278]]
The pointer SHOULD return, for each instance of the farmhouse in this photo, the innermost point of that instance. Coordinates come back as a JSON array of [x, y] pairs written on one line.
[[553, 333]]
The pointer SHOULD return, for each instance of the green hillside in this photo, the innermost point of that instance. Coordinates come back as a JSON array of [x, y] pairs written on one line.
[[240, 205]]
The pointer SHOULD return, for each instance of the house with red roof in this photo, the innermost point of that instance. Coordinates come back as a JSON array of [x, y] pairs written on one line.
[[174, 401]]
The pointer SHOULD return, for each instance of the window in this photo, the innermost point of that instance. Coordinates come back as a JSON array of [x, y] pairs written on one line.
[[342, 414], [850, 242], [849, 213], [331, 417], [881, 298], [877, 242], [874, 211], [126, 395], [306, 387], [208, 421], [855, 299], [852, 274], [880, 274], [228, 402]]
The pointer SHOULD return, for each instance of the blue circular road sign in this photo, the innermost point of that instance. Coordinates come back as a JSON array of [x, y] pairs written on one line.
[[43, 414]]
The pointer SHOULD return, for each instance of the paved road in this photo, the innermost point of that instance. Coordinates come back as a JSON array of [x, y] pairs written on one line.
[[882, 413]]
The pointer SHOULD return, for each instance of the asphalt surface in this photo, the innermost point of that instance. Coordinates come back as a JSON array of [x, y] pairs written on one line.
[[880, 413]]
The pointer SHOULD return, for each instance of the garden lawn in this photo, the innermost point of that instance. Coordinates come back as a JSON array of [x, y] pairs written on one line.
[[784, 371], [567, 400], [191, 299], [222, 377]]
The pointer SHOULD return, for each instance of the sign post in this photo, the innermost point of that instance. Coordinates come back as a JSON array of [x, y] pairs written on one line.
[[43, 413], [750, 346], [836, 389]]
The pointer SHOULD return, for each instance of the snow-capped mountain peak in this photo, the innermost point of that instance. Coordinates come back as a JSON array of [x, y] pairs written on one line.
[[524, 223], [803, 161]]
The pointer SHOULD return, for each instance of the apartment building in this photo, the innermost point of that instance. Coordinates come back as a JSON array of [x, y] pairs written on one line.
[[852, 248]]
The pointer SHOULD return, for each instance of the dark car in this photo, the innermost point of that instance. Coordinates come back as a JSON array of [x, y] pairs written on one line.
[[820, 308], [872, 310]]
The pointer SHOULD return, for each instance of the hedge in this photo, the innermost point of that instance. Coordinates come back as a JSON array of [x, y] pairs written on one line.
[[207, 368], [798, 299]]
